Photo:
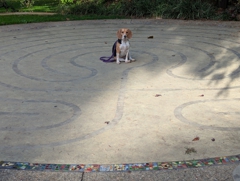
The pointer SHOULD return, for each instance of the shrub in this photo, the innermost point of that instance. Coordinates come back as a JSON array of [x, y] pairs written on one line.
[[27, 3], [63, 9], [180, 9], [185, 9]]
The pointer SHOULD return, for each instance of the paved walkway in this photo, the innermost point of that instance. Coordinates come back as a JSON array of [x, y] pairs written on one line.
[[61, 104], [26, 13]]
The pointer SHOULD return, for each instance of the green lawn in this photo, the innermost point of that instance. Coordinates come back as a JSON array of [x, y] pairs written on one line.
[[38, 6], [41, 6], [22, 19]]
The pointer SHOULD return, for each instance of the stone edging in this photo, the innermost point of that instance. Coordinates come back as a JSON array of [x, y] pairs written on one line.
[[175, 165]]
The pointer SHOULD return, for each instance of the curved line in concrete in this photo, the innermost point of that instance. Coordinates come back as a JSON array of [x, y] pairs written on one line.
[[76, 113], [169, 71], [179, 116], [72, 61], [101, 37], [44, 64], [184, 30], [118, 114]]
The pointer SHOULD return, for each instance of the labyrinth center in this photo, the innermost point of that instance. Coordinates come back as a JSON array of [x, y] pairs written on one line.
[[60, 104]]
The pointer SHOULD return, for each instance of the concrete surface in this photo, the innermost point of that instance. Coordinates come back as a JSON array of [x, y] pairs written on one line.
[[236, 173], [57, 96]]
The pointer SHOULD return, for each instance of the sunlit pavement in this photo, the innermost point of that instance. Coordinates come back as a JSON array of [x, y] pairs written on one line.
[[61, 104]]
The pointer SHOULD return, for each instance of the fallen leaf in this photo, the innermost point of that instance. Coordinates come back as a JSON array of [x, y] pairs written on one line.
[[107, 122], [201, 95], [67, 19], [190, 150], [105, 42], [173, 55], [213, 139], [196, 139], [157, 95], [150, 37]]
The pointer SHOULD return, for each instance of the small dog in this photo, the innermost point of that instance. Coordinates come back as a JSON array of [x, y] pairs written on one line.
[[120, 49]]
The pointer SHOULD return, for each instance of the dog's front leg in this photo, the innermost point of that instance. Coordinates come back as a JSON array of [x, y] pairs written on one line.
[[126, 58], [117, 58], [130, 58]]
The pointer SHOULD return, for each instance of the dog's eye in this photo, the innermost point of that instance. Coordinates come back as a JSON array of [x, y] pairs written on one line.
[[122, 32], [126, 32]]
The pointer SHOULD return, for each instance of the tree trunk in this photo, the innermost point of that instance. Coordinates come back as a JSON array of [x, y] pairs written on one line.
[[222, 4]]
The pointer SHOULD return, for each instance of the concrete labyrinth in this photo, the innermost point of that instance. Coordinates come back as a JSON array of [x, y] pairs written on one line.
[[60, 104]]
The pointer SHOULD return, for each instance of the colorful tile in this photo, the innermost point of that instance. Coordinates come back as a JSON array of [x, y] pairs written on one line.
[[136, 167], [208, 162], [58, 167], [165, 166], [50, 167], [179, 165], [194, 164], [91, 168], [151, 166], [66, 167], [121, 167], [234, 159], [42, 167], [7, 165], [221, 160], [238, 156], [22, 165], [34, 166], [76, 167], [106, 168]]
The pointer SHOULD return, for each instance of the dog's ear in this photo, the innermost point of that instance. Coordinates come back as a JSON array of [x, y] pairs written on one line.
[[119, 34], [129, 34]]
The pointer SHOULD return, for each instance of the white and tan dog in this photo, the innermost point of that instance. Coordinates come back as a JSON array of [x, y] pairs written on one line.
[[121, 47]]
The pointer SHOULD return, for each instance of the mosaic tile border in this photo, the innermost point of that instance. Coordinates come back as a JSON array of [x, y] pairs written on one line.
[[120, 167]]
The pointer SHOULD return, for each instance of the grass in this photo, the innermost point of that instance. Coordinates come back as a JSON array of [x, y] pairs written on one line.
[[38, 6], [23, 19], [44, 6]]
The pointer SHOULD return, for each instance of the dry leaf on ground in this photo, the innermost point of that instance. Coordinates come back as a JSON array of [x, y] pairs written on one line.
[[190, 150], [196, 139]]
